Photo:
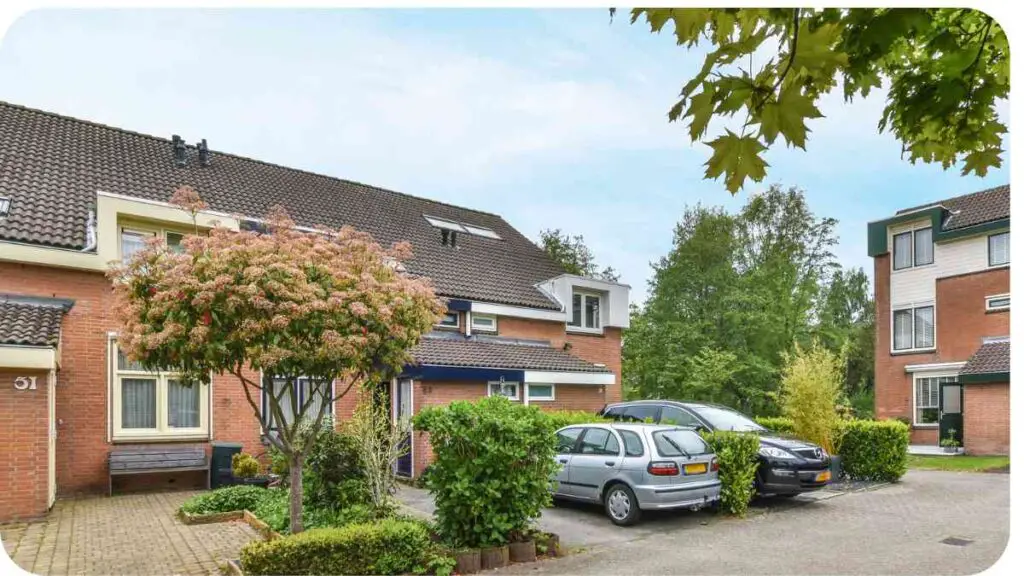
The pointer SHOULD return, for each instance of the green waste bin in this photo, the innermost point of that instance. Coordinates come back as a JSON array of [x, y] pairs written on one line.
[[220, 463]]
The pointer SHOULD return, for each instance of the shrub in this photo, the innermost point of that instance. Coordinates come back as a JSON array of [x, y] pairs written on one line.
[[737, 467], [811, 389], [385, 547], [228, 499], [379, 443], [244, 465], [332, 464], [563, 418], [494, 460], [874, 450], [273, 509], [779, 424]]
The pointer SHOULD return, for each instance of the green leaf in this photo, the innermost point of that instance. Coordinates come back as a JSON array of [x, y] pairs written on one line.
[[980, 161], [787, 115], [701, 109], [737, 158]]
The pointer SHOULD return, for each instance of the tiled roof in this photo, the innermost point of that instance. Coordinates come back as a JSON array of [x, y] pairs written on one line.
[[495, 353], [973, 209], [30, 323], [991, 358], [52, 166]]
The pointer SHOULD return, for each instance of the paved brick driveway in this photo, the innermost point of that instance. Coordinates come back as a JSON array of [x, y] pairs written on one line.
[[130, 534]]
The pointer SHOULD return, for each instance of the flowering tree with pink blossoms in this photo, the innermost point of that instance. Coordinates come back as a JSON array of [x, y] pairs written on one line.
[[327, 306]]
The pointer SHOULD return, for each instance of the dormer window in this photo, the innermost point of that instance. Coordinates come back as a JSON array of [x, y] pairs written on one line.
[[914, 248], [446, 224], [586, 311], [5, 206], [450, 320]]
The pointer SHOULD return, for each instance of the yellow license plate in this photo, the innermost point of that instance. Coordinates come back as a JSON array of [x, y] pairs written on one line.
[[695, 468], [823, 476]]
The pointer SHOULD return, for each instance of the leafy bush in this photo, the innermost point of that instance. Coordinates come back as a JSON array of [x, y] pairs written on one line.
[[737, 467], [378, 443], [811, 389], [779, 424], [874, 450], [385, 547], [863, 402], [332, 464], [228, 499], [563, 418], [493, 465], [273, 510], [244, 465]]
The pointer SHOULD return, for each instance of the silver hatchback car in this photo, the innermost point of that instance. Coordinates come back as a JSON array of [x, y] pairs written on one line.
[[634, 467]]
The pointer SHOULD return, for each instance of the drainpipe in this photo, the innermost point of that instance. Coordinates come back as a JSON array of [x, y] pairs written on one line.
[[90, 232]]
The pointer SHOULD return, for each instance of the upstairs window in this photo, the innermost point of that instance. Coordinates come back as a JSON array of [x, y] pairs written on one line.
[[450, 320], [586, 311], [913, 248], [913, 328], [133, 240], [485, 323], [454, 226], [999, 249]]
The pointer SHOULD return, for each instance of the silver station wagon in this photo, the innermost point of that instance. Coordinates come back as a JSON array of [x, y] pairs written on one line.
[[634, 467]]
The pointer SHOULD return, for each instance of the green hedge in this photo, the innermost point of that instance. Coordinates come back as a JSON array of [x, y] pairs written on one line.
[[493, 464], [563, 418], [737, 467], [386, 547], [874, 450], [778, 424], [227, 499]]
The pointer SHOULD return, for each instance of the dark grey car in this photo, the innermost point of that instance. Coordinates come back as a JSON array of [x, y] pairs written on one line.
[[634, 467]]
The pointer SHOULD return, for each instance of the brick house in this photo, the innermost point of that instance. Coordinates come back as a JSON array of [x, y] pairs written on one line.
[[75, 196], [942, 291]]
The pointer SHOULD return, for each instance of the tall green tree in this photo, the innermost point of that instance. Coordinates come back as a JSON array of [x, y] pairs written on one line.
[[574, 255], [943, 71]]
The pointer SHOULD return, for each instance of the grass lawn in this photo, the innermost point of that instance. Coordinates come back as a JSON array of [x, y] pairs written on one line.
[[958, 463]]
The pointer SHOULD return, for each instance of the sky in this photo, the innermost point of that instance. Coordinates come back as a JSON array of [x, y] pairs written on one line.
[[550, 118]]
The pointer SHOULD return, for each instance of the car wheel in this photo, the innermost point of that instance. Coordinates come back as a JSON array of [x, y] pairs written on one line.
[[621, 506]]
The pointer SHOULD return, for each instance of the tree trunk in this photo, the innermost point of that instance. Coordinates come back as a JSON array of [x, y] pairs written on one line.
[[295, 463]]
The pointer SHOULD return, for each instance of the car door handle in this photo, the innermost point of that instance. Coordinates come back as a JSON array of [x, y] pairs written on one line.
[[563, 461], [609, 463]]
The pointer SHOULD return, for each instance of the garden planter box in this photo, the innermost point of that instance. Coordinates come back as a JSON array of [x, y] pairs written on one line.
[[496, 557], [467, 562], [525, 551], [546, 544], [261, 481]]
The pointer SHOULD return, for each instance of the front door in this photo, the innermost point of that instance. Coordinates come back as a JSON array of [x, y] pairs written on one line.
[[51, 406], [951, 417], [403, 411]]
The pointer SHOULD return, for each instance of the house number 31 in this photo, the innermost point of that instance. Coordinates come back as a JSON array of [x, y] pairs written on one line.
[[25, 383]]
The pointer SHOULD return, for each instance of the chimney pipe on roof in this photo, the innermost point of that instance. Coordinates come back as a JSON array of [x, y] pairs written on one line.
[[180, 153], [444, 237], [204, 153]]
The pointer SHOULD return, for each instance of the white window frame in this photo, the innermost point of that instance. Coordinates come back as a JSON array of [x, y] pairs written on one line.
[[913, 247], [993, 303], [154, 232], [913, 406], [988, 249], [455, 326], [493, 320], [265, 405], [584, 294], [163, 430], [913, 328], [491, 384], [548, 398]]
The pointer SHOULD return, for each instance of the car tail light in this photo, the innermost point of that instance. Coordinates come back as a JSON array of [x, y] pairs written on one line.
[[663, 469], [714, 464]]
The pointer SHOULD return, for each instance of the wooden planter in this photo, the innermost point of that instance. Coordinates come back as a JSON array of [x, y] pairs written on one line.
[[547, 544], [496, 557], [525, 551], [467, 562]]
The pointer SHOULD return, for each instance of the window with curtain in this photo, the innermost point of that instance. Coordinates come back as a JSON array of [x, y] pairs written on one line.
[[999, 249], [913, 328], [902, 251], [923, 247], [586, 311], [154, 404], [291, 399], [133, 241]]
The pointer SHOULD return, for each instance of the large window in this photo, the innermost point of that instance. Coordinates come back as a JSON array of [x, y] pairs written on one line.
[[913, 248], [913, 328], [509, 390], [156, 404], [926, 399], [999, 249], [586, 311], [291, 400], [134, 239]]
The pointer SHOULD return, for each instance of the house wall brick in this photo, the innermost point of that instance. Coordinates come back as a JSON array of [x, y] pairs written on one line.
[[987, 418], [24, 479], [961, 324]]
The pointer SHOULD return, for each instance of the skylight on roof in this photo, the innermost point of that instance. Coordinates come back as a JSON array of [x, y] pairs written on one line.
[[446, 224], [481, 231]]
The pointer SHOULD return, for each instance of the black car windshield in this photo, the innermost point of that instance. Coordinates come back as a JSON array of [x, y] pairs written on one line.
[[725, 419]]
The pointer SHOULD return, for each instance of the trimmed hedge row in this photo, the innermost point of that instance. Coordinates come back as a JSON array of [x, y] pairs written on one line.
[[737, 467], [870, 449], [563, 418], [386, 547]]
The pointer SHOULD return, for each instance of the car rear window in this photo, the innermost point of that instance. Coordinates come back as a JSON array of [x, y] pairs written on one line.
[[671, 443]]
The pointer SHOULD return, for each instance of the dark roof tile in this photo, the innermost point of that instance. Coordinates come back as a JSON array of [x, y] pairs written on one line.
[[991, 358], [30, 324], [493, 353], [973, 209], [52, 166]]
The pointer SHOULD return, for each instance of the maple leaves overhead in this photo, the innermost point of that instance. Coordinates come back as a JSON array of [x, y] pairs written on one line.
[[946, 70]]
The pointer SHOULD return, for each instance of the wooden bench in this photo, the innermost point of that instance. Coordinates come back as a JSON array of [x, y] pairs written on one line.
[[157, 459]]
